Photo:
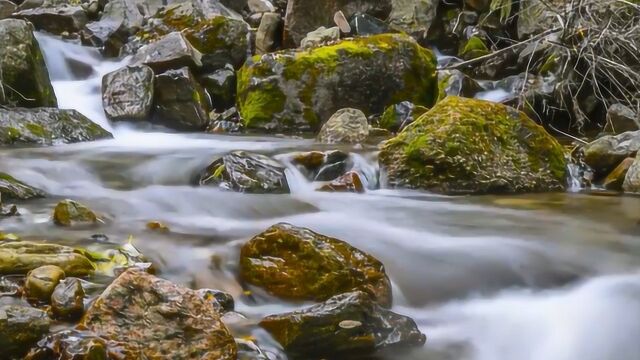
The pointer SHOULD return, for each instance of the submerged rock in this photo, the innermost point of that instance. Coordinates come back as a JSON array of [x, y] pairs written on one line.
[[297, 263], [632, 179], [127, 93], [20, 328], [299, 90], [20, 257], [24, 72], [346, 126], [346, 326], [47, 126], [13, 189], [464, 146], [323, 166], [56, 20], [349, 182], [398, 116], [162, 319], [607, 152], [180, 102], [246, 172], [173, 51], [82, 345], [42, 281], [67, 300], [70, 213]]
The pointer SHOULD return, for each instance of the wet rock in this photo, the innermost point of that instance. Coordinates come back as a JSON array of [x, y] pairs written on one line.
[[348, 325], [85, 345], [47, 126], [56, 20], [616, 178], [67, 300], [456, 83], [120, 19], [299, 90], [246, 172], [127, 93], [346, 126], [323, 166], [414, 17], [632, 179], [349, 182], [7, 8], [42, 281], [267, 34], [221, 87], [464, 146], [321, 36], [70, 213], [20, 257], [13, 189], [398, 116], [621, 119], [364, 24], [9, 286], [20, 328], [24, 72], [221, 301], [297, 263], [163, 319], [607, 152], [180, 102], [304, 16], [173, 51], [227, 121]]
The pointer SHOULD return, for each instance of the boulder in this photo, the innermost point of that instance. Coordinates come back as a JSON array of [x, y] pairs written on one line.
[[267, 34], [299, 264], [304, 16], [398, 116], [632, 179], [13, 189], [413, 17], [7, 8], [221, 87], [69, 213], [180, 102], [298, 90], [607, 152], [127, 93], [42, 281], [467, 146], [24, 72], [67, 300], [82, 344], [615, 179], [246, 172], [172, 51], [120, 19], [349, 182], [47, 126], [323, 166], [20, 257], [20, 328], [346, 126], [56, 20], [621, 119], [346, 326], [321, 36], [163, 319]]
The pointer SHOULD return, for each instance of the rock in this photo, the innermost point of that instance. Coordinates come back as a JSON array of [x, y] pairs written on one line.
[[615, 179], [261, 6], [341, 21], [220, 300], [304, 16], [346, 126], [349, 182], [321, 36], [7, 8], [456, 83], [346, 326], [467, 146], [181, 102], [221, 87], [120, 19], [20, 328], [472, 48], [632, 179], [13, 189], [67, 300], [323, 166], [297, 263], [414, 17], [20, 257], [621, 119], [267, 34], [397, 117], [246, 172], [607, 152], [227, 121], [70, 213], [364, 25], [85, 345], [236, 5], [56, 20], [163, 319], [173, 51], [24, 72], [127, 93], [47, 126], [299, 90], [42, 281]]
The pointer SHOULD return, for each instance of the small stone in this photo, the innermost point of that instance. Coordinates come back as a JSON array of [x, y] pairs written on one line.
[[42, 281], [69, 213], [348, 126], [157, 226], [349, 182], [341, 21], [221, 301], [67, 300]]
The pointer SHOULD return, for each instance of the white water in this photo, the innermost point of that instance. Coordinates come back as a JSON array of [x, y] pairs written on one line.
[[541, 277]]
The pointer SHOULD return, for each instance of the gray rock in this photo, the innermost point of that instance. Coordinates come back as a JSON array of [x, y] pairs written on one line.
[[346, 126], [632, 179], [13, 189], [321, 36], [67, 300], [7, 8], [260, 6], [605, 153], [56, 20], [20, 328], [172, 51], [127, 94], [24, 72], [47, 126], [221, 87], [180, 102], [120, 19], [267, 32], [621, 119]]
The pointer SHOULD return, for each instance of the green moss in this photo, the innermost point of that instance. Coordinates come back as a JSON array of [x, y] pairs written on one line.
[[473, 48], [37, 130]]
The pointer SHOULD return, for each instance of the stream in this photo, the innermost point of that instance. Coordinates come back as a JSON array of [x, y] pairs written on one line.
[[543, 276]]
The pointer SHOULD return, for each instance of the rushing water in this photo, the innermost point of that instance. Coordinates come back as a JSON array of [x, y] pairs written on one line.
[[540, 277]]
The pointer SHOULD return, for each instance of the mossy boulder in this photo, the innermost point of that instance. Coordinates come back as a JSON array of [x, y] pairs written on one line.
[[467, 146], [13, 189], [20, 328], [297, 263], [47, 126], [20, 257], [298, 90], [69, 213], [24, 72], [42, 281], [346, 326]]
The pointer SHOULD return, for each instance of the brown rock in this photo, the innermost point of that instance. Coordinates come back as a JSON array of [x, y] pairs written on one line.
[[615, 179], [349, 182]]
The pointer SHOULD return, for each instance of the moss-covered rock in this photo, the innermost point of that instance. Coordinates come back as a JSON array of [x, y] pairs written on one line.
[[13, 189], [20, 257], [42, 281], [299, 90], [464, 146], [69, 213], [297, 263], [20, 328]]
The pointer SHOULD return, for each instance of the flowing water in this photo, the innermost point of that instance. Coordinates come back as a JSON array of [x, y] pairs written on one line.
[[540, 277]]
